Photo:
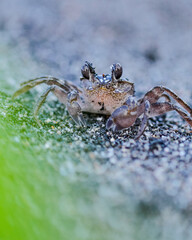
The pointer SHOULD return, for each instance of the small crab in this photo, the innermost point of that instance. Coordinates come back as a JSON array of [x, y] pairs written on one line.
[[108, 94]]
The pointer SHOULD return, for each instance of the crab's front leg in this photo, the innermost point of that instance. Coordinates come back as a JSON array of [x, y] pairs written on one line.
[[159, 108], [65, 91], [74, 108]]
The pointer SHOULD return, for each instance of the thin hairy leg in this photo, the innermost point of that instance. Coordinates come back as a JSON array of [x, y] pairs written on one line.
[[26, 86], [161, 108], [157, 92], [57, 91]]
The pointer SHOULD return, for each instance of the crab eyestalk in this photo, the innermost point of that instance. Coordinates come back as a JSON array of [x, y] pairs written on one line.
[[88, 71], [116, 71]]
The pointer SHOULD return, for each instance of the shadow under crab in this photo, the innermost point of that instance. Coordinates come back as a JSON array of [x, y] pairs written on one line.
[[110, 95]]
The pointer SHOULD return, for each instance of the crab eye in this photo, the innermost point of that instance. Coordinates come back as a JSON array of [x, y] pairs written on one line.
[[86, 69], [117, 70]]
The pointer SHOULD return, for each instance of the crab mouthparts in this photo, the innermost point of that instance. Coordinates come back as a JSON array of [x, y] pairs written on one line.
[[103, 79]]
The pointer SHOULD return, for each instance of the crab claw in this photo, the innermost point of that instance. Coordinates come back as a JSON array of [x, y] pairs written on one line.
[[109, 123], [124, 116], [112, 125], [121, 118]]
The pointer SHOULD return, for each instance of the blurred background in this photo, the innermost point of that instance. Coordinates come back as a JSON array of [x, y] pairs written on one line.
[[55, 185], [152, 40]]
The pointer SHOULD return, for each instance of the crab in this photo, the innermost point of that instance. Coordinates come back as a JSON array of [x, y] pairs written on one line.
[[110, 95]]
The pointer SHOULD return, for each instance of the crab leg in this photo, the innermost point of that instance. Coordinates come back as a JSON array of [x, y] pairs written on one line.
[[179, 100], [154, 94], [146, 115], [156, 109], [63, 91], [74, 108], [49, 80], [25, 86], [161, 108], [60, 93], [167, 98], [40, 102]]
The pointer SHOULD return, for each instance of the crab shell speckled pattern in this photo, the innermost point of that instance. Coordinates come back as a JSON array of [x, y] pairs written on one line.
[[104, 100]]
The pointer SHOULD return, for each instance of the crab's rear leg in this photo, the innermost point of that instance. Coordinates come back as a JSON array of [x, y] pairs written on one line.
[[69, 100], [62, 89], [59, 93], [156, 109], [179, 100], [157, 92], [26, 86], [161, 108], [166, 97]]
